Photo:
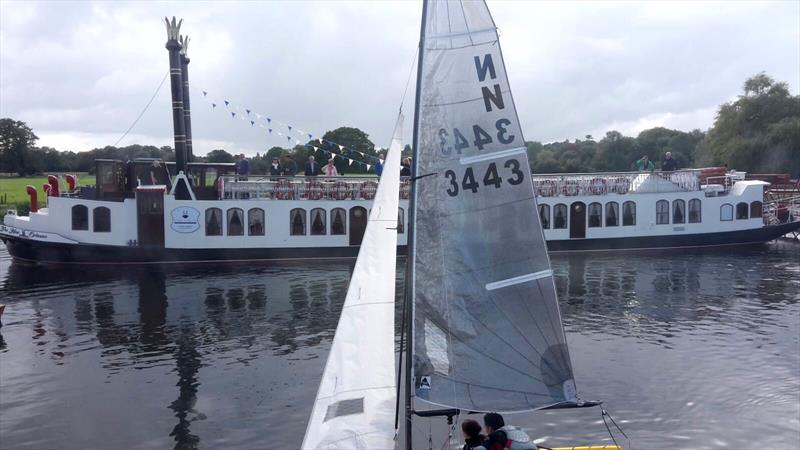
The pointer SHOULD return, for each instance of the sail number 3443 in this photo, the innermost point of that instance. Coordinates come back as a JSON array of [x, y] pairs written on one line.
[[492, 177]]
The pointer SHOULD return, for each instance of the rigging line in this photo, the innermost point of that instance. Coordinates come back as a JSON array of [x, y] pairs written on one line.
[[603, 415], [408, 80], [158, 89]]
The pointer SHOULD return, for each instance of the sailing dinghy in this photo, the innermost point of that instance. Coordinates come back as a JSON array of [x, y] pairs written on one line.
[[481, 315]]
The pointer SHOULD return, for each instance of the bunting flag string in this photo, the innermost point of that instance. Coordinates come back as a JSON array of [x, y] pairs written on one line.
[[244, 115], [246, 112]]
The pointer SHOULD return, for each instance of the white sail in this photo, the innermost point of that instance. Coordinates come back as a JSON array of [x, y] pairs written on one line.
[[355, 405]]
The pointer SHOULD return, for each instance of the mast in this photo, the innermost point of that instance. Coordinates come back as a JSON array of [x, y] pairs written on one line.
[[187, 114], [409, 297], [176, 83]]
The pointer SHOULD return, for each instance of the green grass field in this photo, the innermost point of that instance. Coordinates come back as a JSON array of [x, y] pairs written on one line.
[[12, 189]]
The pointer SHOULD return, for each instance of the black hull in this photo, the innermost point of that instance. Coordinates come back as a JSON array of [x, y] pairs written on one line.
[[54, 253]]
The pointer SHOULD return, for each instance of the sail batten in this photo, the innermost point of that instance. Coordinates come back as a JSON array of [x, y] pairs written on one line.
[[354, 407], [487, 333]]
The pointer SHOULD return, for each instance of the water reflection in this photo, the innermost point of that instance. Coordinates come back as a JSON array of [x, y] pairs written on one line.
[[214, 357]]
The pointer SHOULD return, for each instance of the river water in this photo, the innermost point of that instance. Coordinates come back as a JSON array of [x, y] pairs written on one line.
[[693, 349]]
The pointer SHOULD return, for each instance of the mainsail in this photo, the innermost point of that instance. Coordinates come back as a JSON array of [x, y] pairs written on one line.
[[487, 328], [355, 404]]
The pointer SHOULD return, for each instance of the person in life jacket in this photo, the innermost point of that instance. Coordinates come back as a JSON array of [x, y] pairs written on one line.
[[473, 439], [505, 437]]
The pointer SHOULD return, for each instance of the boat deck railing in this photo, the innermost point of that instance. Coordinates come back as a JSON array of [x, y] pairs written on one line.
[[783, 210], [574, 184], [303, 188]]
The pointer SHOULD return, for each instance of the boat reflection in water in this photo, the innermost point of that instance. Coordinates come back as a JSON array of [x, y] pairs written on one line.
[[688, 348]]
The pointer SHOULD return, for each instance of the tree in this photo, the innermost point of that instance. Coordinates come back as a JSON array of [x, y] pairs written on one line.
[[760, 130], [219, 156], [16, 142], [351, 139]]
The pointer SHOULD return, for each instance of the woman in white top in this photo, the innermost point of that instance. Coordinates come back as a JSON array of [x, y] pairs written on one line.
[[330, 170]]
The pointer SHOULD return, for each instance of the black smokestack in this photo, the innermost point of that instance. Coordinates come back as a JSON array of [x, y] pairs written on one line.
[[176, 81], [187, 113]]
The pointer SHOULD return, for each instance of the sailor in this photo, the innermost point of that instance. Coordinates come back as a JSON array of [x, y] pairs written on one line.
[[473, 438], [502, 436]]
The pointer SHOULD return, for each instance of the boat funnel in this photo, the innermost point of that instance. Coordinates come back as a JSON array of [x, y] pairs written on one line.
[[70, 183], [53, 182], [176, 82], [32, 193]]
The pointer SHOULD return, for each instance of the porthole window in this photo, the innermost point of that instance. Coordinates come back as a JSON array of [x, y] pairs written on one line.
[[80, 217], [595, 215], [401, 222], [338, 221], [628, 214], [662, 212], [726, 212], [235, 222], [101, 219], [255, 222], [213, 222], [612, 214], [678, 211], [544, 216], [297, 222], [695, 211], [756, 210], [742, 211], [318, 226], [560, 216]]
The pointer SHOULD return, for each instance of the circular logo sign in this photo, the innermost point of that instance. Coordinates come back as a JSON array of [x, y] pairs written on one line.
[[185, 219]]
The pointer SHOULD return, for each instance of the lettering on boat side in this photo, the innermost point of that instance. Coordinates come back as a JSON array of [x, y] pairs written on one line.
[[185, 219], [11, 231]]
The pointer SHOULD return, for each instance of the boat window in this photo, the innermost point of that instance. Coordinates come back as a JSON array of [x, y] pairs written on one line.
[[544, 216], [255, 222], [235, 222], [595, 215], [628, 213], [695, 211], [318, 226], [297, 222], [612, 214], [80, 217], [213, 222], [560, 216], [102, 219], [339, 221], [756, 210], [678, 211], [662, 212], [726, 212], [401, 222], [741, 211]]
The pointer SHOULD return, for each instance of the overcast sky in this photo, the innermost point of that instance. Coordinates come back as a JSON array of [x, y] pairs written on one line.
[[79, 73]]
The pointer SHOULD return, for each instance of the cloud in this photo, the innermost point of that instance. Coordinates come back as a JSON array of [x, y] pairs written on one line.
[[79, 73]]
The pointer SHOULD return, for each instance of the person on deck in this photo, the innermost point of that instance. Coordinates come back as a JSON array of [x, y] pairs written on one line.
[[379, 164], [329, 170], [645, 165], [242, 167], [289, 167], [312, 167], [473, 438], [159, 174], [501, 436], [275, 168], [405, 170], [669, 164]]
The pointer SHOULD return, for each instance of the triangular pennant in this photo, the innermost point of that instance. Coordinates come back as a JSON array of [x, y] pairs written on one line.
[[309, 135], [227, 103], [252, 122], [290, 127], [233, 114], [368, 166], [205, 93], [341, 147], [288, 138], [320, 140], [269, 120], [248, 111], [333, 156], [213, 105], [351, 162], [270, 131]]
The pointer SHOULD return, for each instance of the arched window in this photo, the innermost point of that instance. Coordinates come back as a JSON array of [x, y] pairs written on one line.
[[560, 216], [401, 221], [612, 214], [595, 215], [338, 221], [678, 211], [742, 211], [695, 211], [80, 217], [662, 212], [297, 222], [255, 222], [235, 222], [102, 219], [213, 222], [756, 210], [544, 216], [628, 213], [726, 212], [318, 225]]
